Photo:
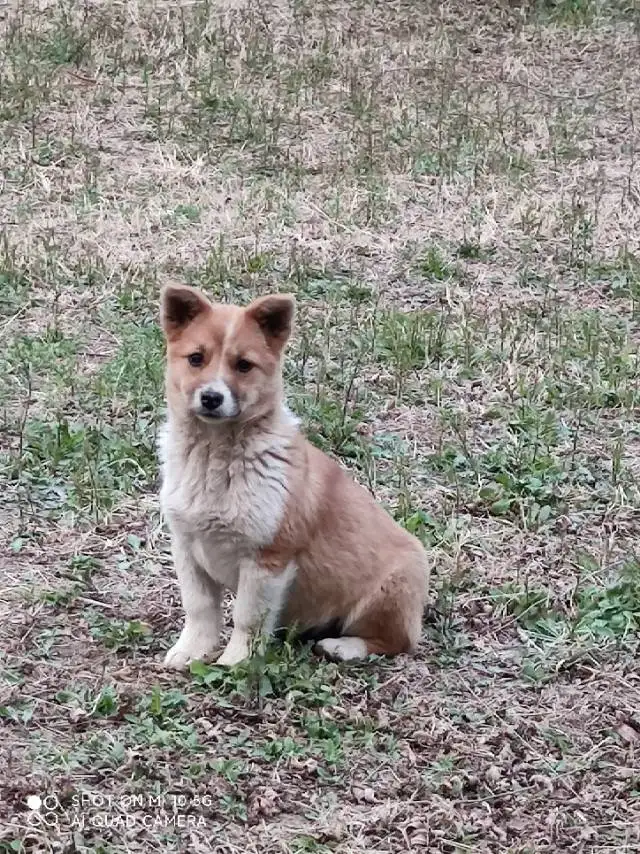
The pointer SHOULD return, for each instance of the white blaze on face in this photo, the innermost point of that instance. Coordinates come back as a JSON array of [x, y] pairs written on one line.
[[228, 407]]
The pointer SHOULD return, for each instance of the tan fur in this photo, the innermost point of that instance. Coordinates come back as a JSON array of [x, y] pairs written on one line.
[[254, 507]]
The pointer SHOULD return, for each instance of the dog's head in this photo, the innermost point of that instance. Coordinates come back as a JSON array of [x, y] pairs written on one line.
[[224, 362]]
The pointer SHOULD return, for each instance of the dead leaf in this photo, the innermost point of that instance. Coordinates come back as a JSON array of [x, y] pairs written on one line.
[[363, 794], [628, 733]]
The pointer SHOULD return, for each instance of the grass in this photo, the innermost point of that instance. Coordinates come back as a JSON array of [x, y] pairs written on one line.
[[450, 193]]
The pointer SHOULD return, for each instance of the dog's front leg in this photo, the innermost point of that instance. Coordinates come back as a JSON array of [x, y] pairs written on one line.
[[259, 601], [202, 603]]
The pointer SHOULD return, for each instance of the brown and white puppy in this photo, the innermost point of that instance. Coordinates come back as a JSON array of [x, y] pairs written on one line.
[[254, 507]]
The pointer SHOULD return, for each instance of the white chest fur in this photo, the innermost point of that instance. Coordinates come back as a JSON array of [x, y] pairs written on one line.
[[223, 499]]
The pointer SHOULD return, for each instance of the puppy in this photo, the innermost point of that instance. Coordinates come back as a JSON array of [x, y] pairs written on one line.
[[254, 507]]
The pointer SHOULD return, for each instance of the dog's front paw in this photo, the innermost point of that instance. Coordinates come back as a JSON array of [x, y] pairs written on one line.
[[237, 650], [190, 647], [178, 658]]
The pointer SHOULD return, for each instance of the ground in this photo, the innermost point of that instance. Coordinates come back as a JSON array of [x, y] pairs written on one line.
[[452, 192]]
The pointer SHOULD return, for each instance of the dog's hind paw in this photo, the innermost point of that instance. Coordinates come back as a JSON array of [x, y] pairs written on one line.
[[344, 648]]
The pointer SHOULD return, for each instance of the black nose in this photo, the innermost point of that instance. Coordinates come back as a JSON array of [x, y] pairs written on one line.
[[211, 400]]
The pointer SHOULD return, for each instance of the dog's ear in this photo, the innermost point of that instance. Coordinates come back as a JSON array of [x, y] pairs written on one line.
[[274, 315], [179, 304]]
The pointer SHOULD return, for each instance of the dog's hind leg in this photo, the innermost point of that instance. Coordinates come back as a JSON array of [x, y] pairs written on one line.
[[389, 623]]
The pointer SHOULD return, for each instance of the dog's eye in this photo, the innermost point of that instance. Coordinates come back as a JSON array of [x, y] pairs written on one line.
[[195, 359], [243, 366]]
